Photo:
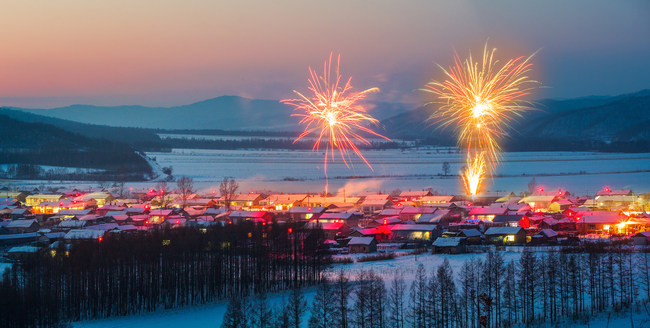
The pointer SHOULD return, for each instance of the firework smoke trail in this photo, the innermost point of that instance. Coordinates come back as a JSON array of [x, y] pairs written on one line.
[[334, 113], [480, 99]]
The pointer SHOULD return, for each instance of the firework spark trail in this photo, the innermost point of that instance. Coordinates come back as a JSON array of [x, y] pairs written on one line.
[[481, 99], [333, 112]]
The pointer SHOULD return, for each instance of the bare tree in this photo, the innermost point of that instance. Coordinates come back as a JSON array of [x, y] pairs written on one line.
[[446, 168], [185, 188], [163, 192], [228, 187]]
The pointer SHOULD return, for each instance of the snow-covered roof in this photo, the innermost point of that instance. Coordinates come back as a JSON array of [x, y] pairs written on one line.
[[503, 231], [337, 215], [72, 224], [248, 214], [448, 242], [548, 233], [324, 225], [23, 249], [21, 223], [364, 241], [488, 211], [413, 227], [307, 209], [470, 232], [77, 234]]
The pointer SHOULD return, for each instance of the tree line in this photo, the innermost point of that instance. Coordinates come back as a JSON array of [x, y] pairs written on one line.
[[490, 292], [124, 274]]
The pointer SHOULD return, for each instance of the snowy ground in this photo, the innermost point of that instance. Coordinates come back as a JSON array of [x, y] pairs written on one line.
[[211, 315]]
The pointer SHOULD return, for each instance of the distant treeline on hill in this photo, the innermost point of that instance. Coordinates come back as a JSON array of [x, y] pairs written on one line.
[[31, 144], [266, 143]]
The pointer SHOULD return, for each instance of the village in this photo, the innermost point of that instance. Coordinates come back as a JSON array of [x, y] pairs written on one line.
[[369, 222]]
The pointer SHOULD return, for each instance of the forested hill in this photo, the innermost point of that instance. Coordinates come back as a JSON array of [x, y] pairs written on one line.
[[140, 139], [30, 144]]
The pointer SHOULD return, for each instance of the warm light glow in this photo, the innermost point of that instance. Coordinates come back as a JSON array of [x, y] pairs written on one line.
[[334, 114], [480, 99]]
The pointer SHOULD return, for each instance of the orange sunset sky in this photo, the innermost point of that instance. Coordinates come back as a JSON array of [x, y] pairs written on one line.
[[166, 52]]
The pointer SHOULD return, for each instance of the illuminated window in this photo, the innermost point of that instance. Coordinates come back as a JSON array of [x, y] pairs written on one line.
[[510, 238], [606, 227], [166, 242], [309, 215]]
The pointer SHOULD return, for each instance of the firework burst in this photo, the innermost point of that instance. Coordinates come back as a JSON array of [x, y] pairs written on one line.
[[333, 112], [480, 99]]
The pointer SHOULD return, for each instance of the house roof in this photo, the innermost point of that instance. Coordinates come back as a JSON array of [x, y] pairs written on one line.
[[248, 214], [331, 226], [507, 218], [538, 199], [608, 191], [77, 234], [415, 193], [362, 241], [337, 215], [448, 242], [389, 220], [413, 227], [307, 209], [437, 199], [160, 212], [72, 224], [21, 223], [470, 232], [74, 212], [503, 231], [23, 249], [284, 198], [433, 217], [488, 211], [549, 233]]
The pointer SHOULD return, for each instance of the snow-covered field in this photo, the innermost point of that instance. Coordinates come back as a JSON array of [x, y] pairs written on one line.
[[299, 171]]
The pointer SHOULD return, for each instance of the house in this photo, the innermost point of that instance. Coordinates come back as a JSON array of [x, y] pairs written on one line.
[[19, 252], [19, 238], [157, 216], [485, 214], [642, 238], [440, 217], [84, 234], [283, 202], [545, 236], [69, 214], [22, 226], [243, 201], [415, 232], [306, 213], [411, 213], [600, 222], [13, 195], [539, 203], [615, 199], [511, 221], [350, 218], [560, 205], [100, 197], [438, 199], [449, 245], [374, 204], [255, 216], [472, 236], [18, 213], [33, 200], [505, 236], [413, 196], [333, 230], [362, 245]]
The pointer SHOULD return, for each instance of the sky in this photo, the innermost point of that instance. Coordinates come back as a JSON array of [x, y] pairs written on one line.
[[174, 52]]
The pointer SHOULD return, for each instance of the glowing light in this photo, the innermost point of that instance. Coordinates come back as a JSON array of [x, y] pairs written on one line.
[[333, 112], [480, 99]]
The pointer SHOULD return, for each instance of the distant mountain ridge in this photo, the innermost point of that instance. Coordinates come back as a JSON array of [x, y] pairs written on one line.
[[603, 119], [225, 113]]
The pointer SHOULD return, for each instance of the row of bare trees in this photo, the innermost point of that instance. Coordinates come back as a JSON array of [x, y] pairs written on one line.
[[488, 292], [125, 274]]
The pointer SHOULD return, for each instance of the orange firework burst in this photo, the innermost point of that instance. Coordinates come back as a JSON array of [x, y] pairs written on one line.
[[334, 113], [481, 99]]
